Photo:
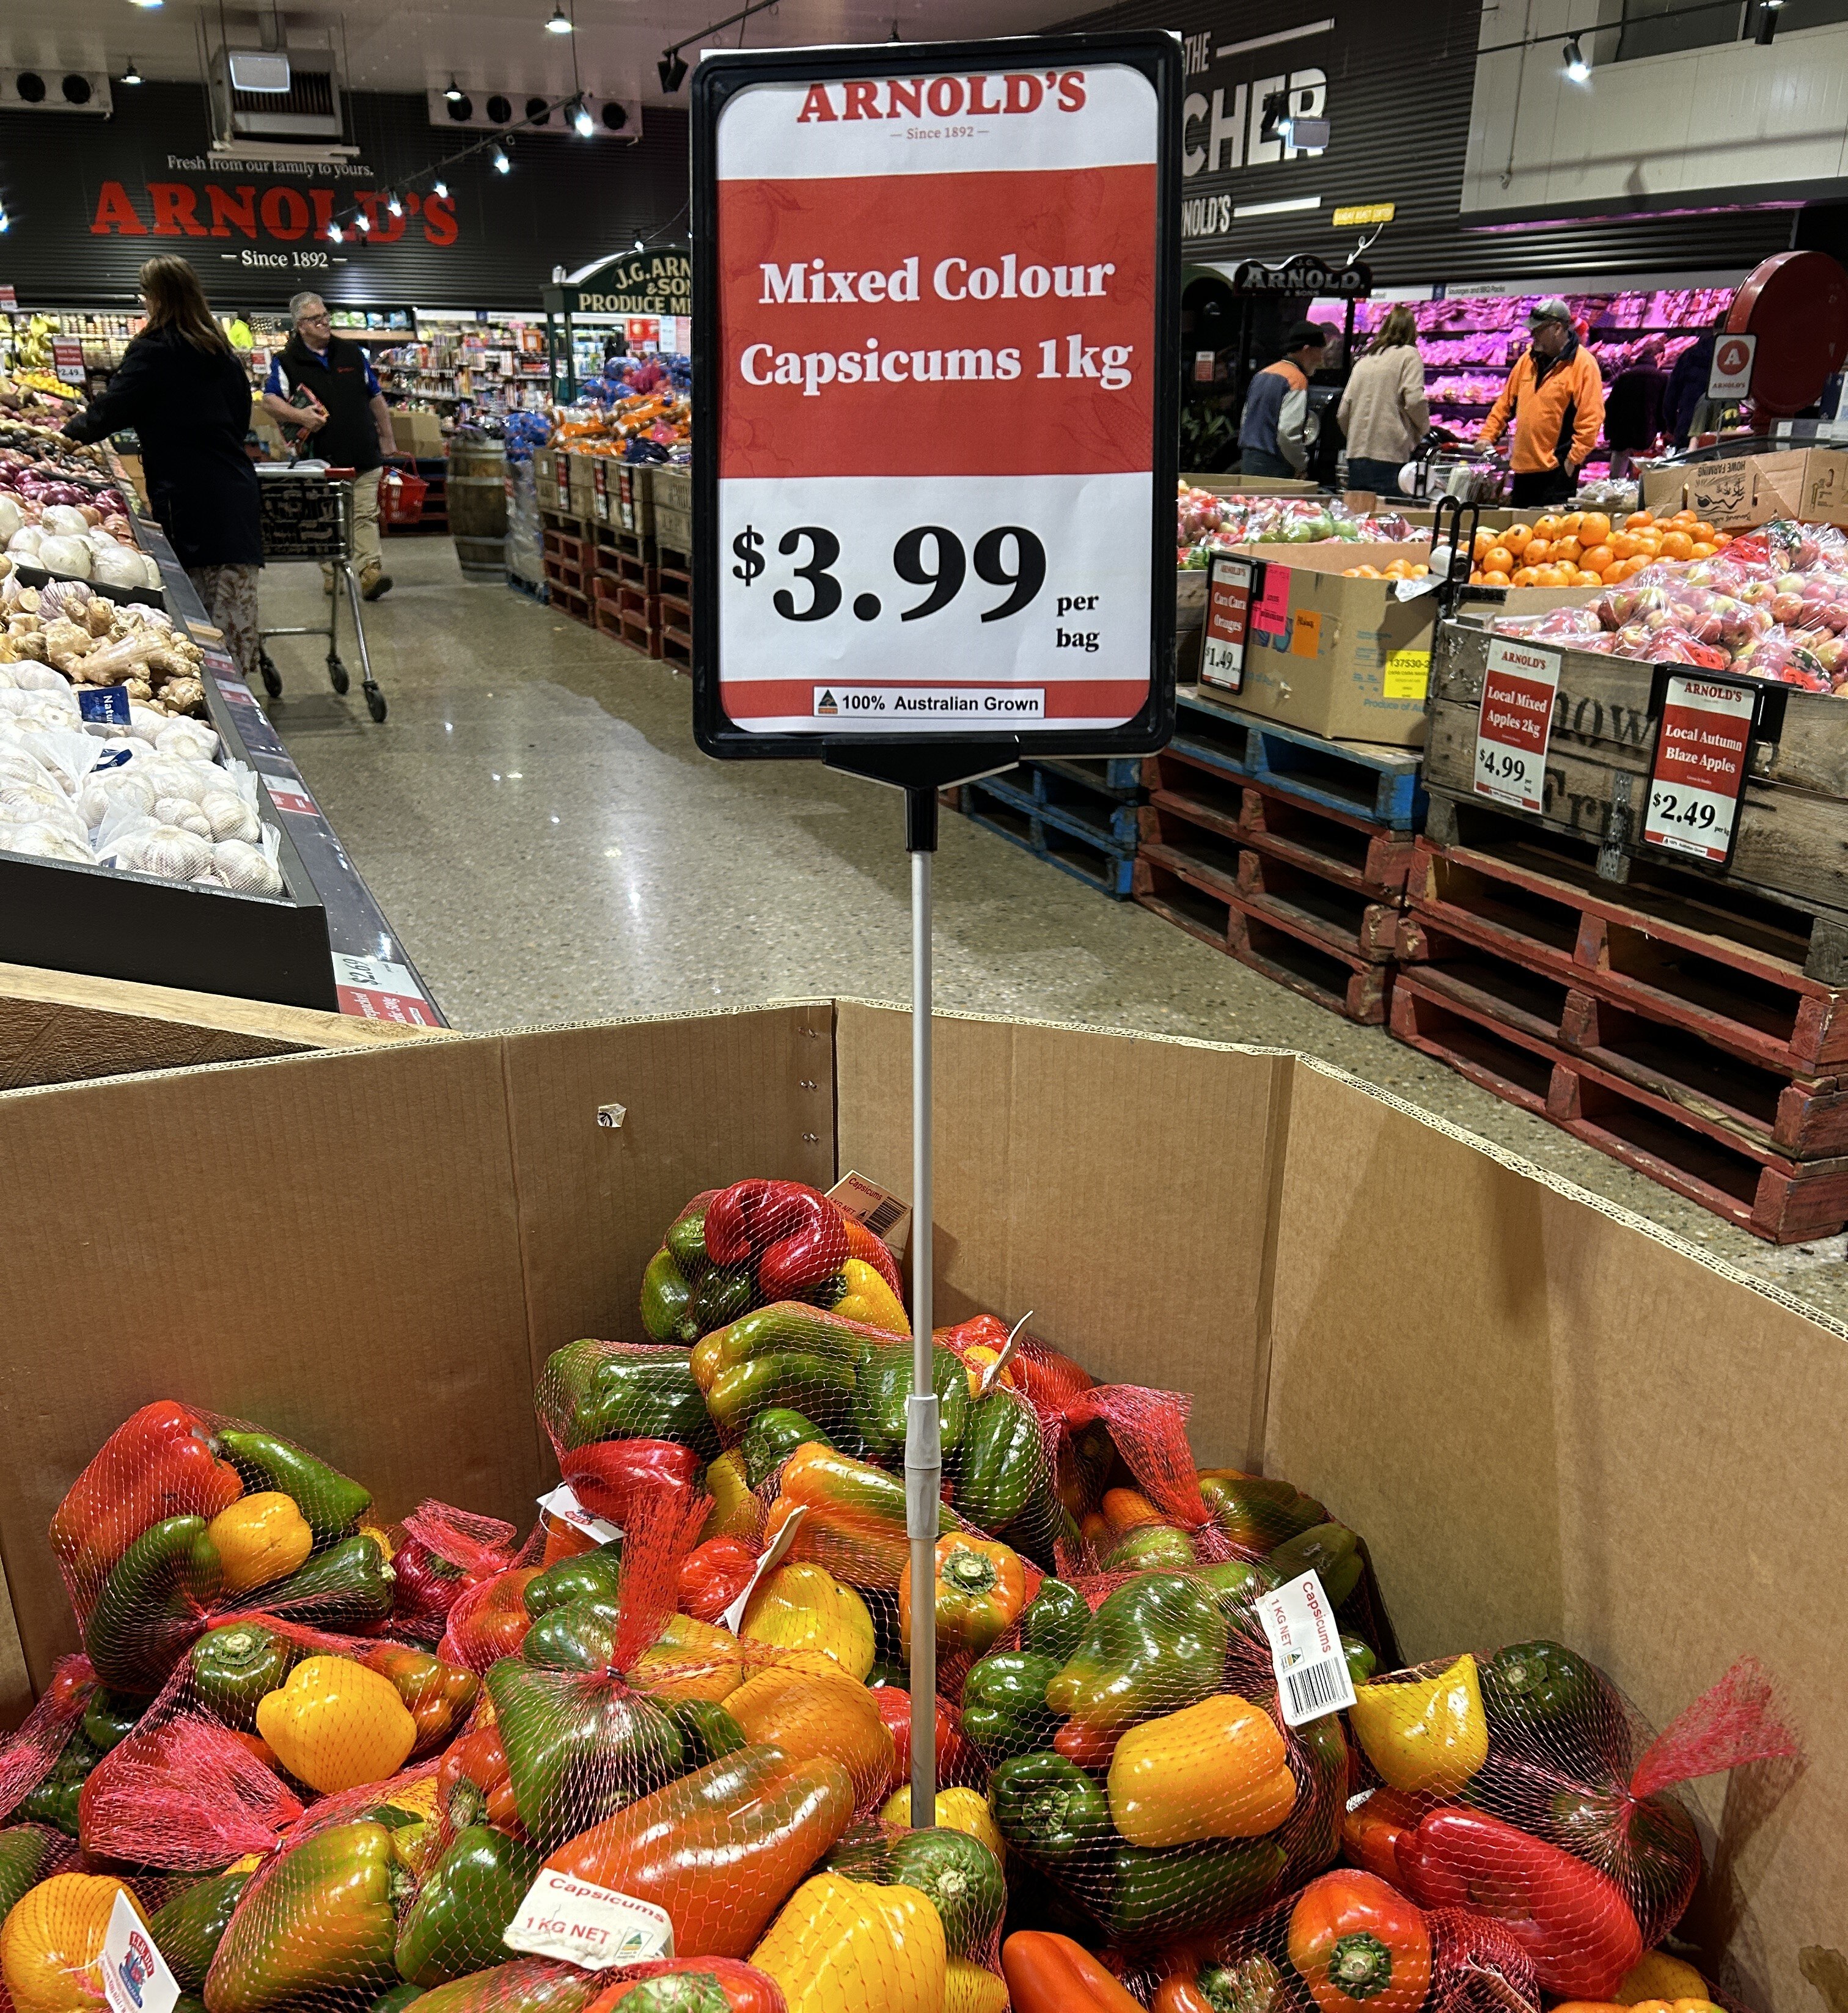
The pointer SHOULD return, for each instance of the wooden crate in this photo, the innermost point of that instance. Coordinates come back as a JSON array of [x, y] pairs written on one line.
[[1792, 817], [1782, 1201], [1736, 972], [672, 488]]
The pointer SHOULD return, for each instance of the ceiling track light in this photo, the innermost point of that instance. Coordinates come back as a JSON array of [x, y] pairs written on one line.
[[560, 24], [672, 69], [393, 206], [133, 73], [1577, 68], [362, 223], [454, 93], [440, 189], [499, 157], [581, 120], [336, 234]]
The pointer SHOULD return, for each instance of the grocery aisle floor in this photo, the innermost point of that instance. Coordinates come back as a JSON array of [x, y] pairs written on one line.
[[537, 824]]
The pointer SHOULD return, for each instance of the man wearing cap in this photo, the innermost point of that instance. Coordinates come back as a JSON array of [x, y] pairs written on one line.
[[1556, 399]]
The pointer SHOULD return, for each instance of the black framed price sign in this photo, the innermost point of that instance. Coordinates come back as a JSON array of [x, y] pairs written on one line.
[[1705, 727], [936, 361], [1233, 582]]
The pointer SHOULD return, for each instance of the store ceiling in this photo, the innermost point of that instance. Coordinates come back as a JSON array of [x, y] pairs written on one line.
[[487, 43]]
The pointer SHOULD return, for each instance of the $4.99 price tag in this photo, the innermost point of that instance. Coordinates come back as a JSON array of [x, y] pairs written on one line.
[[1515, 723], [1702, 747], [588, 1925]]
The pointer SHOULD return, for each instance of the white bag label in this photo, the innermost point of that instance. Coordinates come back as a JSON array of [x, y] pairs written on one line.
[[564, 1505], [878, 1208], [135, 1978], [590, 1926], [734, 1617], [1305, 1652]]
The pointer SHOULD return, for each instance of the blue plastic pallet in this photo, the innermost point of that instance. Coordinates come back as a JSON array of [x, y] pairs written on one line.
[[1118, 775], [1042, 790], [1378, 783], [535, 590], [1049, 836]]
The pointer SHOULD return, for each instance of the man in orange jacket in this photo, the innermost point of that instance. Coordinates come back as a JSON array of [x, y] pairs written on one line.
[[1556, 398]]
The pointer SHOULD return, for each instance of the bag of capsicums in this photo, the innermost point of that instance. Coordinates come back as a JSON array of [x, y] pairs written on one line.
[[1510, 1785], [438, 1553], [43, 1766], [1175, 1515], [759, 1242], [260, 1719], [1140, 1764], [184, 1518]]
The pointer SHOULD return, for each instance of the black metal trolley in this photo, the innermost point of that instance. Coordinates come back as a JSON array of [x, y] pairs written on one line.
[[307, 514]]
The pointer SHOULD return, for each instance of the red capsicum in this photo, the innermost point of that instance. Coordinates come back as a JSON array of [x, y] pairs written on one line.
[[956, 1759], [691, 1985], [1370, 1831], [791, 1236], [1572, 1920], [158, 1463], [713, 1575], [615, 1478], [474, 1785]]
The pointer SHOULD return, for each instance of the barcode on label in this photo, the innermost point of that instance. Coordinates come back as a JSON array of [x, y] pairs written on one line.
[[1315, 1690], [882, 1219]]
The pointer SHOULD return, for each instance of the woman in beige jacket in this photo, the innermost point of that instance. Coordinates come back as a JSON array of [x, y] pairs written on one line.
[[1384, 412]]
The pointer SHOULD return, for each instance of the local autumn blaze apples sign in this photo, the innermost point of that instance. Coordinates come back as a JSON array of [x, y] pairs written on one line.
[[936, 358]]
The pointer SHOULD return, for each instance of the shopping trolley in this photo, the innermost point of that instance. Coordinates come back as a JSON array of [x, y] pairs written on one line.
[[307, 514]]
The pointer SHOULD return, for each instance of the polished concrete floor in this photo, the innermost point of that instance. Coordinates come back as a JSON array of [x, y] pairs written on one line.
[[537, 823]]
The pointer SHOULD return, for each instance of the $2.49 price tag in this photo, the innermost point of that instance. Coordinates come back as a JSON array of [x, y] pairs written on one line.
[[1699, 772], [1519, 681]]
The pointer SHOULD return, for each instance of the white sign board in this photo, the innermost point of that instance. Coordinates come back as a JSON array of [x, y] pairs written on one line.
[[1730, 379]]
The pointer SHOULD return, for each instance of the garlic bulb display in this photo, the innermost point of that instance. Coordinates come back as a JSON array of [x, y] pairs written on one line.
[[26, 540], [245, 868], [105, 788], [188, 740], [181, 812], [41, 804], [35, 678], [63, 598], [166, 851], [229, 815], [174, 776], [145, 723], [43, 843]]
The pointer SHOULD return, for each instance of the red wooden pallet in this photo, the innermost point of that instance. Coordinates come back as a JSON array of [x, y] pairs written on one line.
[[577, 552], [565, 579], [1784, 1201], [1722, 1094], [1339, 917], [677, 647], [1734, 979], [1346, 847], [606, 619], [571, 602], [1207, 907], [677, 614], [640, 634]]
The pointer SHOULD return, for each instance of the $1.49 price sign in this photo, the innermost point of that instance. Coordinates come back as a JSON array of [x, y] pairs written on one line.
[[1519, 681], [935, 364], [1702, 747]]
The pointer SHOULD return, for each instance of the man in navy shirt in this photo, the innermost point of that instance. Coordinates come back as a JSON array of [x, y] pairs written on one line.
[[324, 387]]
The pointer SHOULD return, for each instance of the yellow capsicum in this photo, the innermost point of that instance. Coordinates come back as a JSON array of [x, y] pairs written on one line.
[[1430, 1735], [956, 1810], [970, 1987], [1219, 1769], [736, 1512], [690, 1659], [260, 1539], [51, 1948], [801, 1607], [870, 1299], [336, 1725], [842, 1945]]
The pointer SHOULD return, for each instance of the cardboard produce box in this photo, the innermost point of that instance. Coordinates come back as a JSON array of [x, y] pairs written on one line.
[[1810, 484], [1549, 1418], [1349, 657], [551, 480], [418, 433], [1251, 485], [578, 478]]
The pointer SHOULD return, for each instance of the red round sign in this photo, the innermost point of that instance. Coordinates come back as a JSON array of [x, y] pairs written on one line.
[[1732, 357], [1797, 305]]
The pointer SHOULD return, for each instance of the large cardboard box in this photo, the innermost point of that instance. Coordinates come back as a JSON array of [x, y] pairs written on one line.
[[1251, 485], [1551, 1418], [1350, 659], [417, 434], [1810, 484]]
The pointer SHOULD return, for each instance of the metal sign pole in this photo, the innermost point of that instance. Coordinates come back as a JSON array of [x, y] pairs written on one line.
[[923, 1453]]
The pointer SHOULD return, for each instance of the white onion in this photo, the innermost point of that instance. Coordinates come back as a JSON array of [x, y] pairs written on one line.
[[11, 518], [24, 540], [63, 521], [66, 555], [115, 566]]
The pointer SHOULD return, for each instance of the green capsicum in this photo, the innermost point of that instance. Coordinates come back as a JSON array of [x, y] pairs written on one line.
[[772, 1437], [149, 1611], [331, 1503], [665, 1294], [1141, 1893], [347, 1587], [709, 1730], [1331, 1550], [29, 1854], [1004, 1704], [396, 1999], [1259, 1511], [1151, 1548], [957, 1874], [882, 1390], [579, 1636], [578, 1753], [1542, 1686], [188, 1930], [1003, 1460], [1154, 1645], [234, 1666], [1047, 1807], [1362, 1663], [599, 1574], [467, 1898], [108, 1721], [527, 1985], [1054, 1622], [723, 1294], [593, 1390], [327, 1924], [788, 1353], [53, 1799], [685, 1241], [1238, 1582]]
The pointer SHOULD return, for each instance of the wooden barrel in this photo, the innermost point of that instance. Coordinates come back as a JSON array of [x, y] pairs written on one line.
[[477, 491]]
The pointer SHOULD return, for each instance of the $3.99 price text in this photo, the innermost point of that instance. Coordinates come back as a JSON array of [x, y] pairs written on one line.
[[931, 556]]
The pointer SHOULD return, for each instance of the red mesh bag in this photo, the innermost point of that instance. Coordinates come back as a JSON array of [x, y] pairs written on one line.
[[439, 1553], [1515, 1776], [43, 1765], [704, 1985], [1345, 1943]]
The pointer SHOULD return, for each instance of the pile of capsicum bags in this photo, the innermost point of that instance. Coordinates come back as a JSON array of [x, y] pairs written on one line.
[[656, 1753]]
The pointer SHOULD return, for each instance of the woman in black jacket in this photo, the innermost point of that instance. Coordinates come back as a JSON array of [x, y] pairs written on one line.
[[182, 389]]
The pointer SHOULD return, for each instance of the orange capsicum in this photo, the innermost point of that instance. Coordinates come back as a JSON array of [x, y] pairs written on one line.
[[1357, 1943], [807, 1705], [855, 1523], [1051, 1974], [721, 1849], [981, 1588]]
